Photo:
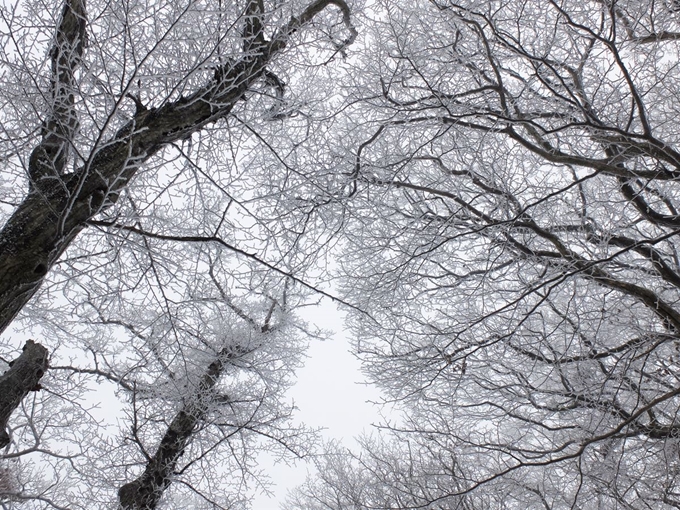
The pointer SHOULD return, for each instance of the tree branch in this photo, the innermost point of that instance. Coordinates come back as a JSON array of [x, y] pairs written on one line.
[[145, 492], [45, 223], [48, 160]]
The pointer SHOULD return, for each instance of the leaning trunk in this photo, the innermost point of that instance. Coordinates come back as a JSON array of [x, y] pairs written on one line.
[[145, 492]]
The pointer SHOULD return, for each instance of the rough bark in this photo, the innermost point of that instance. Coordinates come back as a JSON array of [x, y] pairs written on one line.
[[145, 492], [49, 158], [55, 211], [22, 377]]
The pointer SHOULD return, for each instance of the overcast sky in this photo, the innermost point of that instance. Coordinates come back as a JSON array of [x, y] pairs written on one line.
[[329, 394]]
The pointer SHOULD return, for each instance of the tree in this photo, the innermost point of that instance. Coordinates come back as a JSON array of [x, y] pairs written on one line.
[[513, 242], [146, 240]]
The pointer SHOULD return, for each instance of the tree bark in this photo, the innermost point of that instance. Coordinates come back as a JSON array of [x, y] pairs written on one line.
[[23, 376], [57, 209], [145, 492]]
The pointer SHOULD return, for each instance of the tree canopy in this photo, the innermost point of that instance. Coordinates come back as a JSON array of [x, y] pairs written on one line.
[[514, 211], [148, 245], [492, 188]]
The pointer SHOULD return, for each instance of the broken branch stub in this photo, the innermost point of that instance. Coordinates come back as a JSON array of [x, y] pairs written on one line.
[[22, 377]]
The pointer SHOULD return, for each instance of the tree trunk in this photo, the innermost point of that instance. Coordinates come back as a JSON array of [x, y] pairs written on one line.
[[145, 492], [23, 376], [58, 207]]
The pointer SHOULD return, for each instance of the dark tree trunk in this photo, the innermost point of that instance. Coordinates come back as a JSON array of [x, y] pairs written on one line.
[[50, 218], [59, 206], [145, 492], [23, 376]]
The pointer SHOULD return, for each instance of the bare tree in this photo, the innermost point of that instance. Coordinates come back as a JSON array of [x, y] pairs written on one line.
[[514, 240], [146, 242], [391, 472]]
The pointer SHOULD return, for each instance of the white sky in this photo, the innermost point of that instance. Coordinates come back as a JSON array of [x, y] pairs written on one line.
[[329, 394]]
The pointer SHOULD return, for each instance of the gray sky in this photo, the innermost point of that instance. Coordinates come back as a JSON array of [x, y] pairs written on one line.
[[329, 394]]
